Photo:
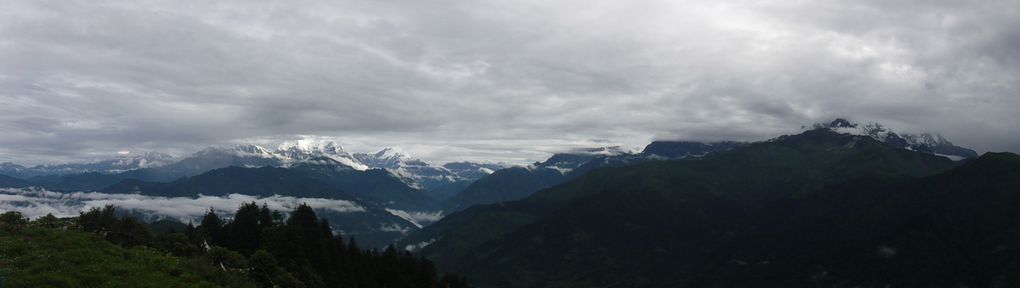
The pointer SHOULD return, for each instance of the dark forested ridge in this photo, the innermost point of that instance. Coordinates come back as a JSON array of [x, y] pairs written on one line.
[[256, 248], [819, 209]]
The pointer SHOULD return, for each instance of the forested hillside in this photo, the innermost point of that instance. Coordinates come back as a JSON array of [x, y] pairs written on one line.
[[257, 248]]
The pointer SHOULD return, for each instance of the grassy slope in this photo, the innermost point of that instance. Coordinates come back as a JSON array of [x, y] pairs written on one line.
[[40, 257]]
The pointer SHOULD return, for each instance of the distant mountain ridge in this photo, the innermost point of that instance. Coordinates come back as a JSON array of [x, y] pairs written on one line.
[[164, 168], [422, 175], [116, 165]]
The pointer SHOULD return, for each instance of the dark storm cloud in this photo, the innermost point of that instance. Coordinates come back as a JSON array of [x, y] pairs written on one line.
[[495, 80]]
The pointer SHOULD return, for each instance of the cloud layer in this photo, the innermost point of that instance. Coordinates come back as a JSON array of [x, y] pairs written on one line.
[[495, 80], [34, 202]]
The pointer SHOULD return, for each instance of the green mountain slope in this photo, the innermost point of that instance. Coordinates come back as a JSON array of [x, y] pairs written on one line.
[[669, 224]]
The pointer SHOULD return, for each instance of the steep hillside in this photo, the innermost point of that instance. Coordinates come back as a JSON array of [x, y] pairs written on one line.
[[673, 223]]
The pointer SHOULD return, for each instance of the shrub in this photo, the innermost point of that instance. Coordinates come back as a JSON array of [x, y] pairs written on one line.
[[12, 221]]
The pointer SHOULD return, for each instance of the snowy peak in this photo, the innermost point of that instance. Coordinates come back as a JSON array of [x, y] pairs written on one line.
[[253, 150], [414, 172], [143, 160], [323, 163], [287, 154], [242, 150], [302, 150], [388, 158], [927, 139], [421, 174], [309, 148], [925, 142], [392, 153]]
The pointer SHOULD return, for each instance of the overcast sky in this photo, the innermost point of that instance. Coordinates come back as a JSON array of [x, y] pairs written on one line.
[[495, 80]]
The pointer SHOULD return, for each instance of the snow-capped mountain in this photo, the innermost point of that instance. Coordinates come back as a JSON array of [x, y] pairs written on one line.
[[414, 172], [420, 174], [116, 165], [143, 160], [252, 150], [387, 158], [924, 142], [251, 156], [161, 167], [300, 150]]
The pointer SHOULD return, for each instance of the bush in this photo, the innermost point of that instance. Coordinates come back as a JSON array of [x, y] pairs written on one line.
[[100, 221], [49, 221], [12, 221]]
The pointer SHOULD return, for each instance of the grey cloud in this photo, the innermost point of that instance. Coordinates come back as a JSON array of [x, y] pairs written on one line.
[[495, 80]]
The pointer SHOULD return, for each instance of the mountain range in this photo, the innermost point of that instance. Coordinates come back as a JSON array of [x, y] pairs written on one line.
[[164, 168], [400, 197], [389, 186]]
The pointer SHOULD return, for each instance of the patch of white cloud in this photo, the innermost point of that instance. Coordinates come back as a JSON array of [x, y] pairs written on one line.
[[418, 218], [394, 227], [419, 245]]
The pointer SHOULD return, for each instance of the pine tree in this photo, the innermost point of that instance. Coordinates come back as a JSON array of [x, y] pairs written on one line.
[[303, 217], [211, 229], [190, 232], [243, 233], [266, 217]]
